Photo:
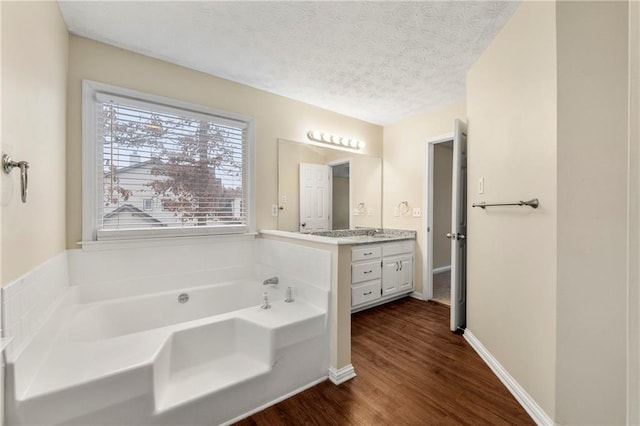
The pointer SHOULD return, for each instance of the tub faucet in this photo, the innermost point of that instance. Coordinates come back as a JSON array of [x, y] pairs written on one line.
[[272, 280]]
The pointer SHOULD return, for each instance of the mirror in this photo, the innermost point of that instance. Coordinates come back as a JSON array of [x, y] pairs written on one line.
[[355, 192]]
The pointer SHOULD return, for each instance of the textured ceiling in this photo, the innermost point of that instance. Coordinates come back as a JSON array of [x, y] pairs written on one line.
[[377, 61]]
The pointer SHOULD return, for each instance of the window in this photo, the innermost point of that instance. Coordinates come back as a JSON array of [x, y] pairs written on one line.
[[153, 166]]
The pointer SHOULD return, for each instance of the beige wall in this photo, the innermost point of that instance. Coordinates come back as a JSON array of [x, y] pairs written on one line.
[[366, 182], [511, 252], [34, 67], [404, 170], [592, 212], [276, 116], [633, 358], [442, 170]]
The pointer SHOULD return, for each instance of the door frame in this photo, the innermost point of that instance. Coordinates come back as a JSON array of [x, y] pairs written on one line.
[[331, 164], [427, 225]]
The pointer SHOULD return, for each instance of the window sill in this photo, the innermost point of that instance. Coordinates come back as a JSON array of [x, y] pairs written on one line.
[[165, 242]]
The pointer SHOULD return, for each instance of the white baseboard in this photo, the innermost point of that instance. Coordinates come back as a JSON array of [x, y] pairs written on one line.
[[274, 402], [341, 375], [417, 295], [528, 403], [441, 269]]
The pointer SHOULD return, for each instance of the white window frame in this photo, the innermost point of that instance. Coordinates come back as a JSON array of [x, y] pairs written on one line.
[[91, 185]]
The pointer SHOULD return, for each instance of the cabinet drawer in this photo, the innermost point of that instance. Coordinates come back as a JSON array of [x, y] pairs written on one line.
[[365, 271], [391, 249], [364, 293], [366, 252]]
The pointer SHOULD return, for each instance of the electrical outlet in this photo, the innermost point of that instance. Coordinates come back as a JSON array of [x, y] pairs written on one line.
[[283, 199], [481, 185], [417, 212], [274, 210]]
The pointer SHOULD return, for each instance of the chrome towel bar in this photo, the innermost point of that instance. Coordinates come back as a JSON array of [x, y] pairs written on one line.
[[533, 203]]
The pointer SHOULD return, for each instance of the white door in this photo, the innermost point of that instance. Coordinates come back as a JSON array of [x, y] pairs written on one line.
[[315, 197], [458, 233]]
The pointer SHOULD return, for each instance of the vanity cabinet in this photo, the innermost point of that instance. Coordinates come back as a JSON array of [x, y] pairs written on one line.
[[397, 274], [381, 272]]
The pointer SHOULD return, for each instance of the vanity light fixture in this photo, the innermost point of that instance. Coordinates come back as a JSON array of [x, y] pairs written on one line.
[[328, 138]]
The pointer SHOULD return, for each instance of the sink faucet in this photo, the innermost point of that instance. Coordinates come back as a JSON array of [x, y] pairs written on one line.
[[272, 280]]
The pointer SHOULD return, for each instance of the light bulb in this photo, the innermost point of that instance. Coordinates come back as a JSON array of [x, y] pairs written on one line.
[[360, 144], [344, 141], [353, 143], [326, 137], [335, 139], [316, 135]]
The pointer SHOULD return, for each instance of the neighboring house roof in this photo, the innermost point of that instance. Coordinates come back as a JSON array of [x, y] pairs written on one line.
[[134, 166], [136, 212]]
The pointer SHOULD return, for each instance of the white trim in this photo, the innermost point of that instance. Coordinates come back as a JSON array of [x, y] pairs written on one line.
[[275, 401], [165, 242], [441, 269], [92, 90], [89, 181], [417, 295], [427, 223], [341, 375], [528, 403]]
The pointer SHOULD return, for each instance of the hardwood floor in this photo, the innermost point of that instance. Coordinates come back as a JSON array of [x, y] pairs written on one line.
[[411, 370]]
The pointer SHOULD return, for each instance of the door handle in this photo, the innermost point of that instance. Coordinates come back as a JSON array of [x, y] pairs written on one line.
[[451, 236], [400, 265], [303, 224], [462, 237]]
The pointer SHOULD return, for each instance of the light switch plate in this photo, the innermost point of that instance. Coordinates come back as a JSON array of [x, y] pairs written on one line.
[[481, 185], [274, 210], [417, 212]]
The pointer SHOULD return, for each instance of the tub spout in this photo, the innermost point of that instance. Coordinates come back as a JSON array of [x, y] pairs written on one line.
[[272, 280]]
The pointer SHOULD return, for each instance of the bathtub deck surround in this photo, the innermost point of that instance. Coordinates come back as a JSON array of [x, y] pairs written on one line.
[[156, 356], [341, 244], [29, 301]]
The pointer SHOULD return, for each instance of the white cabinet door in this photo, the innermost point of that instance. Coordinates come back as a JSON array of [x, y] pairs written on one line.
[[390, 269], [405, 274], [397, 274]]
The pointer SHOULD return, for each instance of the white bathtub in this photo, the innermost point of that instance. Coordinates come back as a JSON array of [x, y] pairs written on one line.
[[103, 320], [150, 359]]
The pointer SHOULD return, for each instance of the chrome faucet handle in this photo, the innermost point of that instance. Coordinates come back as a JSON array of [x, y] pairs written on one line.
[[265, 301], [289, 298]]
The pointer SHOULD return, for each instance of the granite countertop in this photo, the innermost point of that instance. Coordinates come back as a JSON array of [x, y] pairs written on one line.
[[349, 236]]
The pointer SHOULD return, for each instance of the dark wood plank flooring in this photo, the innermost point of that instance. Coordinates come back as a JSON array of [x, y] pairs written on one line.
[[411, 370]]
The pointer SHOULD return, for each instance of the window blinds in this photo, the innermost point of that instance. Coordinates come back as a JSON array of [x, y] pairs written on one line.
[[163, 167]]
